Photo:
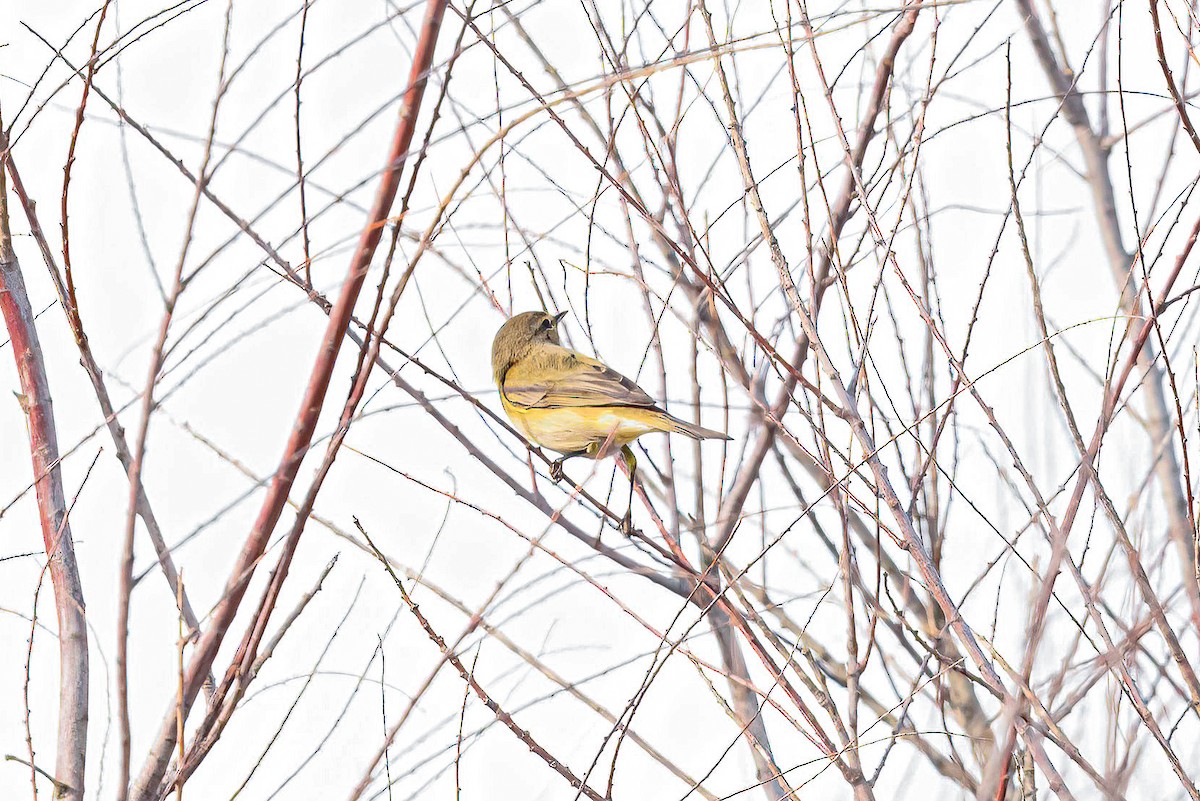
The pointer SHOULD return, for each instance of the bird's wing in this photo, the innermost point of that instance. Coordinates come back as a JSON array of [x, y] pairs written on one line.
[[559, 377]]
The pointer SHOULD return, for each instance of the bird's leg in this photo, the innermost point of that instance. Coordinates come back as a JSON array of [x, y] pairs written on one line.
[[556, 467], [631, 463]]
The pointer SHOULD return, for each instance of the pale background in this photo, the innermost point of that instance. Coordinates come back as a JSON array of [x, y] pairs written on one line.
[[252, 355]]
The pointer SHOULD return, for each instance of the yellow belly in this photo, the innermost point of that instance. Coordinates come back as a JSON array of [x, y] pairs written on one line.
[[568, 430]]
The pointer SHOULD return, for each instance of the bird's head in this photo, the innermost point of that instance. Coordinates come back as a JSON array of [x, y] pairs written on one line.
[[521, 333]]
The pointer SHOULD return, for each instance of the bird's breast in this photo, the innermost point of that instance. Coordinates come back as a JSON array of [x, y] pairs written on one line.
[[572, 429]]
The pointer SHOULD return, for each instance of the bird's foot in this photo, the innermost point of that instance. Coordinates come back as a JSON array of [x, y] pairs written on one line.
[[627, 524], [556, 470]]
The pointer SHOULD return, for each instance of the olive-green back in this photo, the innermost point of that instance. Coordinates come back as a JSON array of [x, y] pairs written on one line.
[[550, 376]]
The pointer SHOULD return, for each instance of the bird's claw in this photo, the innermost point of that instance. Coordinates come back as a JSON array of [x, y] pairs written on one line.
[[556, 470], [627, 524]]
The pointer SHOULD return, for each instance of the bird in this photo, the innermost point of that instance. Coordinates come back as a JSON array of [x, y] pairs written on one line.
[[571, 403]]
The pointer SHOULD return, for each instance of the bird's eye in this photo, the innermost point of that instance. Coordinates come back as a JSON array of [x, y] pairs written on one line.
[[546, 325]]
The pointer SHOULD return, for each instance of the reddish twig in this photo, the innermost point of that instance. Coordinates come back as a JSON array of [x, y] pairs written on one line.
[[310, 408], [87, 88], [1180, 106]]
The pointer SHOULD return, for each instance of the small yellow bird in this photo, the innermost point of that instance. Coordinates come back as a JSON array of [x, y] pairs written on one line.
[[573, 404]]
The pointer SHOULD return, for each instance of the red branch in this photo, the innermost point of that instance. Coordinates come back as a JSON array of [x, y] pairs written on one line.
[[310, 409], [52, 510]]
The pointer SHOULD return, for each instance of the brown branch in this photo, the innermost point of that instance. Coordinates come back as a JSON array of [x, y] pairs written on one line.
[[1060, 531], [306, 420], [474, 620], [157, 358], [1180, 106], [469, 677], [36, 402], [570, 687], [79, 117], [1099, 180], [300, 177], [239, 675], [746, 710], [731, 506], [909, 538], [96, 375]]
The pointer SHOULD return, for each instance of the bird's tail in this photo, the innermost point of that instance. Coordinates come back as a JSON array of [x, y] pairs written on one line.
[[691, 429]]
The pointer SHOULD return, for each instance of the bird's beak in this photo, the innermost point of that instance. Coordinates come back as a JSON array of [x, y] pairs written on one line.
[[559, 317]]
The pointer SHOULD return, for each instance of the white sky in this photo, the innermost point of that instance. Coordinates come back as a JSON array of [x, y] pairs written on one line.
[[253, 354]]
